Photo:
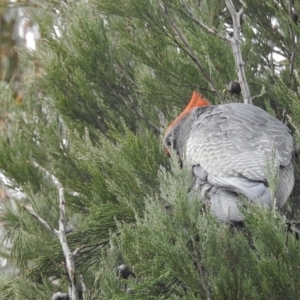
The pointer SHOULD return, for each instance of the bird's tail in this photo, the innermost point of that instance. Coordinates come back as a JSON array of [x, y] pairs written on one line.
[[224, 205]]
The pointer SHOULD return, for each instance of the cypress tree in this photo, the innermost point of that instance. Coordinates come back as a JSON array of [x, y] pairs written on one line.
[[85, 149]]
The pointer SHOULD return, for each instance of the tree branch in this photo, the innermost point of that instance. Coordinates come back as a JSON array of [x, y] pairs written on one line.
[[50, 176], [155, 128], [263, 91], [69, 256], [61, 235], [190, 52], [292, 35], [202, 25], [200, 271], [293, 124], [44, 223], [236, 49], [84, 289], [162, 119]]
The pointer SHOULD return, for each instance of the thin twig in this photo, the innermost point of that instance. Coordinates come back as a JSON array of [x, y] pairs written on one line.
[[84, 289], [199, 267], [68, 276], [29, 3], [133, 107], [48, 174], [293, 124], [236, 49], [292, 34], [234, 41], [162, 119], [190, 52], [44, 223], [69, 265], [69, 256], [77, 250], [155, 128], [263, 91], [202, 25]]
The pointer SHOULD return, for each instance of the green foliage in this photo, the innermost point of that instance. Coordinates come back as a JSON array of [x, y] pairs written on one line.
[[92, 120], [178, 253]]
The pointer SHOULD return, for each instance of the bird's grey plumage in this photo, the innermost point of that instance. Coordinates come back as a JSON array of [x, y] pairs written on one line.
[[228, 147]]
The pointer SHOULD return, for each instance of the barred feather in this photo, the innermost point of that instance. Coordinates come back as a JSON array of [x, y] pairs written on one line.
[[228, 146]]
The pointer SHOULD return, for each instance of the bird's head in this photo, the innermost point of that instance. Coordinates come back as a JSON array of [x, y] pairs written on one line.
[[197, 100]]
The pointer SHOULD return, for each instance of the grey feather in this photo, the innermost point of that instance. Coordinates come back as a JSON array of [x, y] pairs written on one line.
[[224, 205]]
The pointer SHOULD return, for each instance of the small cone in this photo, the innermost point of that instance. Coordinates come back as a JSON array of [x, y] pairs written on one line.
[[60, 296], [124, 272], [234, 87]]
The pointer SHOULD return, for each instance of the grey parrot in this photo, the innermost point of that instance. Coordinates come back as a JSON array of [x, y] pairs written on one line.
[[228, 147]]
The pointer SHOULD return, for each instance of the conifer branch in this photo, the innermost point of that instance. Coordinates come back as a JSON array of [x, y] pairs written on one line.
[[44, 223], [236, 49], [263, 91], [50, 176], [134, 108], [202, 25], [68, 277], [62, 236], [187, 48], [200, 271], [293, 39], [47, 5], [293, 124], [84, 289], [147, 121], [69, 256], [162, 120]]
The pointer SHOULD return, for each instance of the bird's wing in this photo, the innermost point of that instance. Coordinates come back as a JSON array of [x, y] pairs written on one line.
[[236, 140]]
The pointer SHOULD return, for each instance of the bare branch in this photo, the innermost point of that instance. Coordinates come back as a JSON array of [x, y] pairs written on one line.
[[263, 91], [61, 234], [293, 124], [202, 25], [62, 212], [48, 174], [46, 5], [162, 119], [67, 274], [293, 39], [77, 250], [190, 52], [84, 289], [44, 223], [69, 256], [234, 42], [236, 49]]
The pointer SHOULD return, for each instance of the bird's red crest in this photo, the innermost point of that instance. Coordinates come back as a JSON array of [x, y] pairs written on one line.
[[197, 100]]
